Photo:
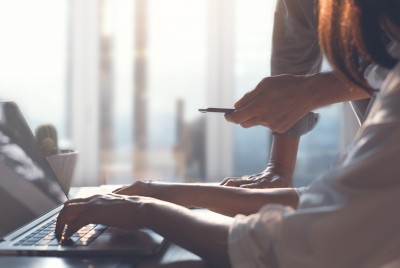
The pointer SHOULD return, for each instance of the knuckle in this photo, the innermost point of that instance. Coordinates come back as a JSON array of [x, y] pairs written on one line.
[[226, 180], [247, 93], [263, 81], [272, 126], [229, 183], [280, 130]]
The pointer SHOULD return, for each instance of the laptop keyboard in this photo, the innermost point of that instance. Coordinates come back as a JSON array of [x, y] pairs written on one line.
[[45, 236]]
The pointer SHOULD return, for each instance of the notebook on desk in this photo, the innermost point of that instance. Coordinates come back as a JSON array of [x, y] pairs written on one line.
[[31, 197]]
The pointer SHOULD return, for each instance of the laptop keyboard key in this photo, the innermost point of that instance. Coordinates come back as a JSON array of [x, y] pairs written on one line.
[[45, 236]]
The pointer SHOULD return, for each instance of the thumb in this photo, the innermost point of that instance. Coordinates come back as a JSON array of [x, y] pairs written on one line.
[[249, 96]]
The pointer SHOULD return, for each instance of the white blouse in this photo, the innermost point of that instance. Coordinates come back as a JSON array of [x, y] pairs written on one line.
[[347, 218]]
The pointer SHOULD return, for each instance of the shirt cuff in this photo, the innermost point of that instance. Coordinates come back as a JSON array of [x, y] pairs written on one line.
[[252, 239], [300, 191], [304, 125]]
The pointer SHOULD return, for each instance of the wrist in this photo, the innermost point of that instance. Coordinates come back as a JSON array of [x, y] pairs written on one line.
[[280, 171], [283, 155], [176, 193], [140, 210], [334, 90]]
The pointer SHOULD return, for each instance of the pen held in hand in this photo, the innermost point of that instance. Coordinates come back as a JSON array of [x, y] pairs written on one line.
[[217, 110]]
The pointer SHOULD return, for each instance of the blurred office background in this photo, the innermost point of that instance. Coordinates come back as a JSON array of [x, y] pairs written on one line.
[[122, 81]]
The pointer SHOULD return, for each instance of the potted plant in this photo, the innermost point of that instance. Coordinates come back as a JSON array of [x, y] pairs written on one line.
[[62, 161]]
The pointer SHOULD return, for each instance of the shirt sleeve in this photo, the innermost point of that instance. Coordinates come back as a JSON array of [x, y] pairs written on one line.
[[251, 239], [346, 218], [295, 49], [304, 125], [300, 191]]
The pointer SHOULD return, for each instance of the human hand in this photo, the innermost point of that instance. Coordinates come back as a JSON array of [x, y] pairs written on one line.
[[111, 210], [170, 192], [271, 177], [277, 102], [159, 190], [142, 188]]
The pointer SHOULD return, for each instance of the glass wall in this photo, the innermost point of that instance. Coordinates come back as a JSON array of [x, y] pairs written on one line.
[[122, 82], [33, 59]]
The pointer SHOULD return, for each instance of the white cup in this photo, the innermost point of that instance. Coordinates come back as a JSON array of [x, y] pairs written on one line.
[[63, 165]]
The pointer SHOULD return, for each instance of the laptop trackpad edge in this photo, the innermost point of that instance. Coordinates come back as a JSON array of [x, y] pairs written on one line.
[[142, 242]]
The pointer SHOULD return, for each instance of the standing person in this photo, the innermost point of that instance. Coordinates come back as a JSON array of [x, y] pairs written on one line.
[[287, 97], [347, 218]]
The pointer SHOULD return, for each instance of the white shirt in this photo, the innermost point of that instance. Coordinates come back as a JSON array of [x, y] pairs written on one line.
[[347, 218]]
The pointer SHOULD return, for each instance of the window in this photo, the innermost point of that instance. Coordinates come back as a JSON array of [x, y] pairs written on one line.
[[122, 81], [33, 63]]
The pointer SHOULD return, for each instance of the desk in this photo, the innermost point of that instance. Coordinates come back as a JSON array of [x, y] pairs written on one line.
[[172, 256]]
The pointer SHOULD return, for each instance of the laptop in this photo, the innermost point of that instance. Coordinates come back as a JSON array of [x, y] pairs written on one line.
[[31, 198]]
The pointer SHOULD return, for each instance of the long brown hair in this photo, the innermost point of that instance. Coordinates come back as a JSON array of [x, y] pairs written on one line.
[[351, 35]]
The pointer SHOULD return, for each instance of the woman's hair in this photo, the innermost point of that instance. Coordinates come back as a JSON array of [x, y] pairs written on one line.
[[352, 37]]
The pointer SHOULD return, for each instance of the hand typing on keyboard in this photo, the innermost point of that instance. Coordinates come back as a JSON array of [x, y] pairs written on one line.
[[45, 236], [109, 210]]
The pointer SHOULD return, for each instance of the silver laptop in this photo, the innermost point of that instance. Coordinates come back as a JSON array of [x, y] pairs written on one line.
[[31, 197]]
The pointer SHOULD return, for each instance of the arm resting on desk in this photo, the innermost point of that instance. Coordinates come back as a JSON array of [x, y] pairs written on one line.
[[204, 236], [229, 201]]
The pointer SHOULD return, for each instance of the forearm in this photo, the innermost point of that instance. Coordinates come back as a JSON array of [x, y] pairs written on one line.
[[325, 89], [229, 201], [205, 237], [283, 155], [284, 147]]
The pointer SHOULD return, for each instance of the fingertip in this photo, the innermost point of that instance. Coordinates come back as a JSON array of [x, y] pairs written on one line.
[[59, 225], [229, 183], [59, 236], [58, 230], [249, 186], [68, 233], [120, 189], [238, 104], [234, 183], [225, 181]]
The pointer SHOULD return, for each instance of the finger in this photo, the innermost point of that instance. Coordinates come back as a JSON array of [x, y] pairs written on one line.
[[76, 224], [120, 189], [243, 114], [255, 176], [249, 96], [61, 222], [60, 226], [265, 117], [69, 213], [256, 185], [254, 122], [246, 99], [282, 121], [275, 182], [236, 182], [237, 117], [78, 200], [226, 180]]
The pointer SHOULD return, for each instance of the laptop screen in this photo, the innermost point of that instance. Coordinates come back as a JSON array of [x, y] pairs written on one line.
[[28, 186]]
